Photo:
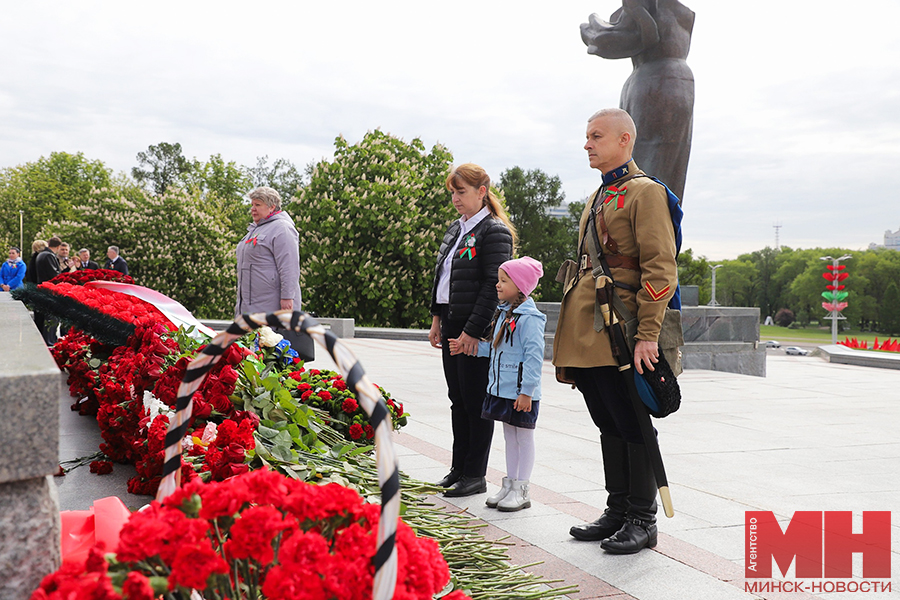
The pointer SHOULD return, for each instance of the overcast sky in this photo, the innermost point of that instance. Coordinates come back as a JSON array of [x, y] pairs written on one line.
[[796, 119]]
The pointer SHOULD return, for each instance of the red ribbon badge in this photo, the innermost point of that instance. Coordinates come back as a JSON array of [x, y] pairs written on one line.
[[617, 193], [468, 248]]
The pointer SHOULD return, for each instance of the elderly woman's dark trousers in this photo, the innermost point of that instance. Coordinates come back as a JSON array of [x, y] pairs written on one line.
[[467, 378]]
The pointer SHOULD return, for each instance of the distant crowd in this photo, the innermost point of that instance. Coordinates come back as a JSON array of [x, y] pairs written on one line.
[[48, 259]]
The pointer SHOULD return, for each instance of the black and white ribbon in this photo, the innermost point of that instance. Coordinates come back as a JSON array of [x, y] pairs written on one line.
[[385, 559]]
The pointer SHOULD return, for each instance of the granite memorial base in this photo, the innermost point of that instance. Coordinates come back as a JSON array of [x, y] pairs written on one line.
[[720, 338], [30, 384]]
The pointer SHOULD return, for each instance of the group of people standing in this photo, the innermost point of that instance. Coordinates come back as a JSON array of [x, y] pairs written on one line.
[[491, 334], [489, 330], [49, 258]]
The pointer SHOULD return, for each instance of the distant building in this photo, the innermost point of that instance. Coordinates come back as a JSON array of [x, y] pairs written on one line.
[[891, 241], [559, 212]]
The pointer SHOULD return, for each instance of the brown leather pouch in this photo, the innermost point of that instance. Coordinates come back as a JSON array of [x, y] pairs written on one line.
[[566, 274], [563, 375]]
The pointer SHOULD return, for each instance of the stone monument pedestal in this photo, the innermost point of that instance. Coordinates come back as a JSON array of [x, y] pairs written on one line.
[[722, 338], [717, 338], [30, 384]]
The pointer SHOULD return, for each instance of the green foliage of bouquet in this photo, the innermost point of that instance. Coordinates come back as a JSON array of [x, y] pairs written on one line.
[[371, 222]]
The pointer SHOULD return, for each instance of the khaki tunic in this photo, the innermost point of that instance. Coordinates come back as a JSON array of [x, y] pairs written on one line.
[[640, 223]]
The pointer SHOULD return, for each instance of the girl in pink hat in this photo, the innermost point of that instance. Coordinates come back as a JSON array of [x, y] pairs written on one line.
[[514, 381]]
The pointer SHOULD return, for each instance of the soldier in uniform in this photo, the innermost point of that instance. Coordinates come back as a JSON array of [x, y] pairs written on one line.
[[635, 231]]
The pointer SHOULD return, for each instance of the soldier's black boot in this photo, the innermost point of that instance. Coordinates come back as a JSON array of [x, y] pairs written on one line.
[[639, 530], [615, 470]]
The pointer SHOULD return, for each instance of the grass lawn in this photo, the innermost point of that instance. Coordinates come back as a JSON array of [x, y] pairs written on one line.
[[813, 334]]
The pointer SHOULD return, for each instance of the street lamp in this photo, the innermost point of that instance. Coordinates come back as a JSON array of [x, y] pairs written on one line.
[[835, 314], [712, 301]]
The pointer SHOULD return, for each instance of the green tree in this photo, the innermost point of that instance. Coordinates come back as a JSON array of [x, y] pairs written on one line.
[[695, 271], [221, 186], [805, 293], [890, 310], [371, 221], [172, 244], [162, 166], [767, 291], [281, 176], [737, 283], [529, 196], [46, 190]]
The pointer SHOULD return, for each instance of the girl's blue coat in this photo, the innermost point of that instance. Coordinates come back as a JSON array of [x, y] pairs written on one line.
[[516, 363]]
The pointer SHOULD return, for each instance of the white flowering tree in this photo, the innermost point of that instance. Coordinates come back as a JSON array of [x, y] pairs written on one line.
[[171, 243], [370, 226], [44, 190]]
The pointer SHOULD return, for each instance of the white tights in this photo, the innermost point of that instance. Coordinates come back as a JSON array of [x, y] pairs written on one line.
[[519, 451]]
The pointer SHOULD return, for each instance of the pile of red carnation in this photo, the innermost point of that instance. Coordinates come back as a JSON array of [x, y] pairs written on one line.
[[82, 276], [257, 535], [110, 383]]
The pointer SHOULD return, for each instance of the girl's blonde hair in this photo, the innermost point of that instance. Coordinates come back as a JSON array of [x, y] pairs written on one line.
[[473, 175]]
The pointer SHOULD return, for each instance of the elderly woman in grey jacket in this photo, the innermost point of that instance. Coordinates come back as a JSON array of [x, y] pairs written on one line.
[[268, 258]]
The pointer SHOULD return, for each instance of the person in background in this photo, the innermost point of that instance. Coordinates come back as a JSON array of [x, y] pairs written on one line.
[[12, 273], [268, 265], [114, 261], [268, 258], [84, 260], [463, 299], [46, 268], [66, 262], [31, 273]]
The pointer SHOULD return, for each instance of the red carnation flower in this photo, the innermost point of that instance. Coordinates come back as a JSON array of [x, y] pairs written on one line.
[[193, 564], [349, 406], [137, 587], [101, 467], [356, 431], [324, 395], [252, 534]]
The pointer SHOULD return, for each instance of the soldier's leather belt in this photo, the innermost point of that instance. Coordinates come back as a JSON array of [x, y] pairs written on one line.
[[615, 261]]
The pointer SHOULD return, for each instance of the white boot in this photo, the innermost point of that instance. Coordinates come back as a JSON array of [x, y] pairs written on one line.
[[517, 498], [494, 500]]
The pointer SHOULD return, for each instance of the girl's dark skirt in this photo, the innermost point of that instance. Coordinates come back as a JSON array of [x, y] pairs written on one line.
[[501, 409]]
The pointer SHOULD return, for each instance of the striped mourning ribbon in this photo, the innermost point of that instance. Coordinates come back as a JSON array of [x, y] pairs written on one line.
[[385, 559]]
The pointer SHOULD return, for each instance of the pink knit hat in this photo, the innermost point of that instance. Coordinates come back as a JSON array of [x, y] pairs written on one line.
[[524, 272]]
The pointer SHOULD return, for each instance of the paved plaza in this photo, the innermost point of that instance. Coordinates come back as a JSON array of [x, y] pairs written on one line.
[[811, 436]]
